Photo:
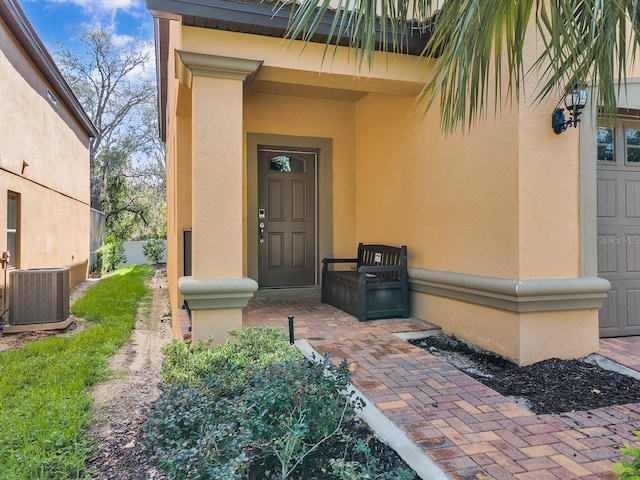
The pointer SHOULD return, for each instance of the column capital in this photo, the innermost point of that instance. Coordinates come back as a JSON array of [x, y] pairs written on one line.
[[215, 293], [215, 66]]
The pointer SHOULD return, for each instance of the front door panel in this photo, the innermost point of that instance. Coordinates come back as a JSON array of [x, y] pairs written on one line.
[[286, 218]]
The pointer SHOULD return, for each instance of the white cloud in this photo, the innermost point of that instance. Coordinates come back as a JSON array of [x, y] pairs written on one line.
[[147, 70], [122, 40], [104, 5], [110, 15]]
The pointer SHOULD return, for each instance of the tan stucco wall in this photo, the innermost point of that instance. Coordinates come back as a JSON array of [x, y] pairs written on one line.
[[54, 187], [499, 201], [549, 182], [453, 201], [217, 177], [525, 338], [178, 158], [294, 63]]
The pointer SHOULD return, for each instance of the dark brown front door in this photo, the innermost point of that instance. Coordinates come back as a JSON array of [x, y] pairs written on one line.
[[286, 218]]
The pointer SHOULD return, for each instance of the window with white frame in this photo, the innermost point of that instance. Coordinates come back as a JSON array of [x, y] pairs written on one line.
[[619, 142]]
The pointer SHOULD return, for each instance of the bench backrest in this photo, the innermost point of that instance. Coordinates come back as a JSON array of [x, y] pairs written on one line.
[[383, 256]]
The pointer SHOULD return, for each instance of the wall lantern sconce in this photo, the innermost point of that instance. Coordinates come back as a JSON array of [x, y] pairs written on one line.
[[575, 101]]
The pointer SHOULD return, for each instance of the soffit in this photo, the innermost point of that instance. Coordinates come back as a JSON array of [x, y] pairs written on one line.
[[307, 91], [328, 86]]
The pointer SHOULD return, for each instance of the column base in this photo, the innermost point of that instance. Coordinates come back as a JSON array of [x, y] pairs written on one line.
[[216, 305]]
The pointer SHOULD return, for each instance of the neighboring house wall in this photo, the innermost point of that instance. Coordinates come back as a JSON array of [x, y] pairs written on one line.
[[44, 155]]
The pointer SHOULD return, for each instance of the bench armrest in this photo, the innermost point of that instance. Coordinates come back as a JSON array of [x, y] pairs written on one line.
[[339, 260], [327, 261]]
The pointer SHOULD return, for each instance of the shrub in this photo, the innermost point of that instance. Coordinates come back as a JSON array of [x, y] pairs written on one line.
[[283, 388], [294, 407], [153, 250], [368, 469], [222, 407], [192, 433], [625, 469], [253, 408], [110, 255], [254, 347]]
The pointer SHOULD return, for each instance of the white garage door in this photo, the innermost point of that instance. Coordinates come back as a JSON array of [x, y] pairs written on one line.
[[619, 226]]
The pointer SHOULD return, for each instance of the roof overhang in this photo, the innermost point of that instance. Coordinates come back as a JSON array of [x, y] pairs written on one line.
[[17, 22], [257, 17], [266, 18]]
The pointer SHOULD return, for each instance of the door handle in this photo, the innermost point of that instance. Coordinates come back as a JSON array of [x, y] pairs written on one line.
[[261, 231]]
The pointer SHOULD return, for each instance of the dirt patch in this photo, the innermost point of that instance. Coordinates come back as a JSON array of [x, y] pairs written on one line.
[[551, 386], [122, 403]]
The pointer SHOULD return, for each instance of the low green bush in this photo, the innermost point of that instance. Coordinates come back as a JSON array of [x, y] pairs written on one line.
[[153, 250], [250, 348], [285, 388], [252, 402], [629, 468], [194, 433], [110, 255], [295, 406], [217, 426]]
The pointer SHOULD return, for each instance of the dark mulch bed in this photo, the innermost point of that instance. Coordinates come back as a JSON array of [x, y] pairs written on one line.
[[317, 467], [550, 386]]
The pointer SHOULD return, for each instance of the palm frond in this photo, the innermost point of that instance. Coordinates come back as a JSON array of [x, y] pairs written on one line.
[[479, 45]]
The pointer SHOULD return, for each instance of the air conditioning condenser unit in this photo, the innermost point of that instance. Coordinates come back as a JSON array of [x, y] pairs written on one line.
[[39, 296]]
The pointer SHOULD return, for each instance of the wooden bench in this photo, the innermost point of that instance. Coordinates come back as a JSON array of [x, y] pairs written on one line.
[[378, 288]]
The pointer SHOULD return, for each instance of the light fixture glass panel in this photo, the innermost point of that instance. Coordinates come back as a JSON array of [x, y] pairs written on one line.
[[606, 151], [577, 99], [632, 137]]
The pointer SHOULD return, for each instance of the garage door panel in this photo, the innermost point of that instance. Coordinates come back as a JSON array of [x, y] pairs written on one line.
[[609, 311], [633, 308], [632, 253], [632, 198], [607, 198], [607, 254]]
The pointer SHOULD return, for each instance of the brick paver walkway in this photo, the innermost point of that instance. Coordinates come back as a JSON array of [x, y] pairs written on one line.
[[468, 429]]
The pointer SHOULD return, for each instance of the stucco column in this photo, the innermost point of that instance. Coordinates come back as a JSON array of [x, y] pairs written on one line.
[[216, 291]]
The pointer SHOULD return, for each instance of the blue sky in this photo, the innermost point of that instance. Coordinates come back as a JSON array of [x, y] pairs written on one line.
[[52, 19]]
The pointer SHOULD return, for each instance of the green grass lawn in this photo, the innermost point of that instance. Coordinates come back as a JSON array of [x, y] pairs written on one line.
[[45, 386]]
